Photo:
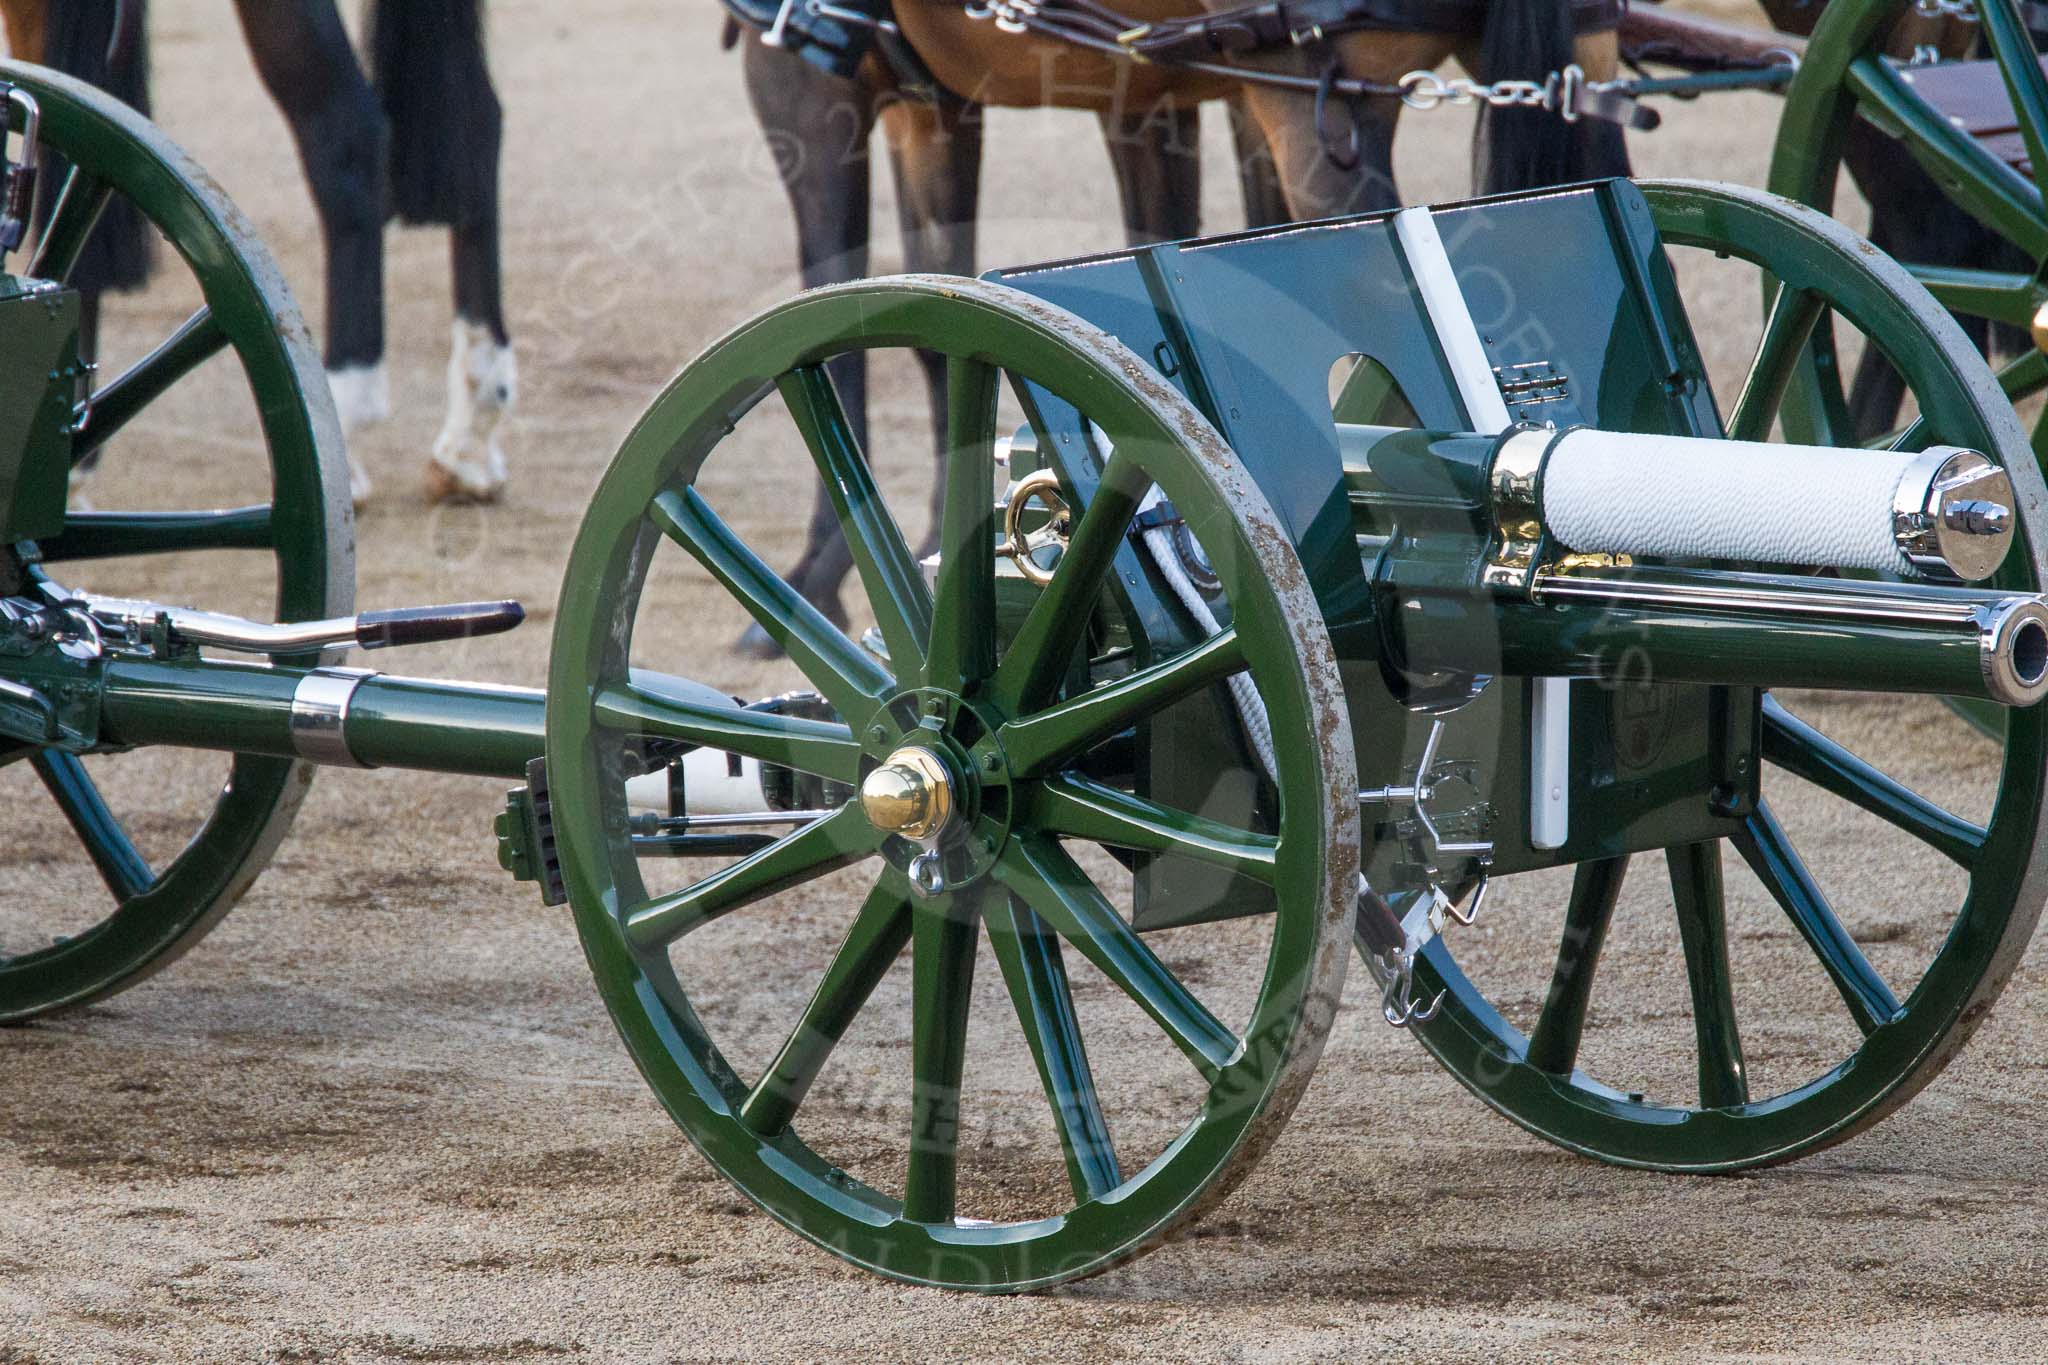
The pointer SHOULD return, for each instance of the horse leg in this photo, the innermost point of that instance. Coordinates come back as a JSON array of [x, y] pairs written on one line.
[[817, 125], [1347, 165], [25, 21], [1912, 221], [935, 156], [303, 56], [106, 45], [1258, 177], [483, 371], [432, 80], [1157, 158]]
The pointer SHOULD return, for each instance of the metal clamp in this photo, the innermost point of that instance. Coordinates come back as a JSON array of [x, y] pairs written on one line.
[[778, 32], [319, 720], [1417, 793], [1436, 908], [823, 9], [18, 187]]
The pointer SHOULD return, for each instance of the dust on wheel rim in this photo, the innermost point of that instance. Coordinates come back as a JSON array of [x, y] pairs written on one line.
[[1996, 918], [1288, 651]]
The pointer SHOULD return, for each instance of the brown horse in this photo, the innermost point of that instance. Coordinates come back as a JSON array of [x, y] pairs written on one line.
[[1293, 163], [819, 127]]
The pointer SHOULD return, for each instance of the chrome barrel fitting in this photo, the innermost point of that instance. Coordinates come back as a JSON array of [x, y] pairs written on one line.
[[1953, 517]]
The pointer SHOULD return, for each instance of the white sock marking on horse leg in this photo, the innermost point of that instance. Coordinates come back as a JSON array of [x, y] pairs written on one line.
[[483, 384], [362, 395]]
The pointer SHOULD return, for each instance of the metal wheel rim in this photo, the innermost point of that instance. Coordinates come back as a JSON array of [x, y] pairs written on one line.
[[312, 522], [1250, 1103]]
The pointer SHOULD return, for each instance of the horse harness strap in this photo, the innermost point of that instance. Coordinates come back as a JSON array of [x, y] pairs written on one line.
[[836, 35], [1200, 43]]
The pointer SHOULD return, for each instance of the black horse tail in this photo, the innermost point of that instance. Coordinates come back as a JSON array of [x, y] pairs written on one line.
[[427, 57], [106, 45], [1519, 149]]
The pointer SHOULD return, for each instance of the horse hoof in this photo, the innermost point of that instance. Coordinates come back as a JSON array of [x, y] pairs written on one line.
[[466, 482], [755, 643], [359, 486]]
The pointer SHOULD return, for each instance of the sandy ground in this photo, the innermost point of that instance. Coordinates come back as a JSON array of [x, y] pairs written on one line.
[[379, 1115]]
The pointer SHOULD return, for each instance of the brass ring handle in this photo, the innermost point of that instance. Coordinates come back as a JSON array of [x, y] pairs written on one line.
[[1042, 487]]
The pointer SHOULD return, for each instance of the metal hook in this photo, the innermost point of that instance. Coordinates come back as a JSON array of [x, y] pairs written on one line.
[[1468, 917], [1397, 1001]]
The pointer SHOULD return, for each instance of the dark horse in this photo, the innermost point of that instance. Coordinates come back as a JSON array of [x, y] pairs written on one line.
[[1296, 160], [421, 141]]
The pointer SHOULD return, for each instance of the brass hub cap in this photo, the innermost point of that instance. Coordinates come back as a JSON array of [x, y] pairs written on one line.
[[910, 795]]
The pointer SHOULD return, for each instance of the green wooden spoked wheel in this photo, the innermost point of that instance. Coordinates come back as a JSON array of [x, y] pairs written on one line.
[[1851, 75], [120, 862], [1848, 76], [996, 1129], [1745, 1020]]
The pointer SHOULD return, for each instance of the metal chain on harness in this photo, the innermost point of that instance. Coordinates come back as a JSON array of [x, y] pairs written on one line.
[[1566, 92]]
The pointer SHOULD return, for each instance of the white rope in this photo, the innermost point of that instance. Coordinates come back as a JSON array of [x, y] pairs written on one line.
[[1251, 707]]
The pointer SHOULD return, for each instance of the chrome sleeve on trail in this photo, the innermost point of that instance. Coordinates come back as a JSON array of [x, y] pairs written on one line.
[[319, 722]]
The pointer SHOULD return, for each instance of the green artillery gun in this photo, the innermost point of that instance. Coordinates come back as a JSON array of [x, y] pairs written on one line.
[[1344, 572]]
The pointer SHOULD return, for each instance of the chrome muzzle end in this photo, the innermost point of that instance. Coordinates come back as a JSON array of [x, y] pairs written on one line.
[[2013, 651]]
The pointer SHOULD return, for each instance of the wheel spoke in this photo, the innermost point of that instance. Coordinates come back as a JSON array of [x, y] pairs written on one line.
[[80, 203], [2005, 32], [1778, 866], [120, 864], [108, 535], [963, 651], [2024, 377], [1915, 435], [811, 746], [1703, 929], [943, 936], [822, 846], [1981, 184], [1787, 331], [870, 948], [1059, 733], [895, 586], [1045, 878], [846, 675], [195, 342], [1554, 1043], [1036, 975], [1805, 752], [1995, 294], [1078, 808], [1053, 629]]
